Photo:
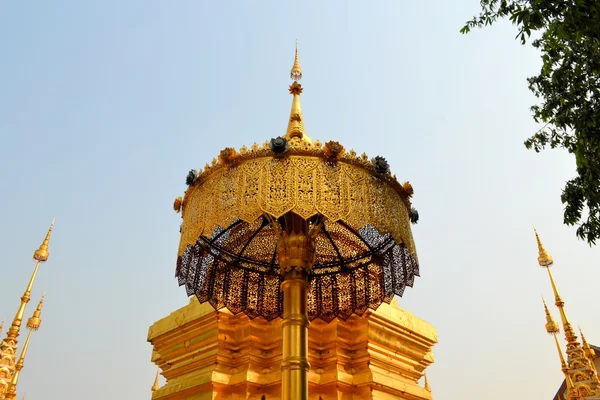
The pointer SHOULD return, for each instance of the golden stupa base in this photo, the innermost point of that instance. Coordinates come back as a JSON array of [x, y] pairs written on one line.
[[205, 354]]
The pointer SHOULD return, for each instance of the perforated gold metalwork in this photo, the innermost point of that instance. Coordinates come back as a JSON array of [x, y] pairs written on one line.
[[364, 251]]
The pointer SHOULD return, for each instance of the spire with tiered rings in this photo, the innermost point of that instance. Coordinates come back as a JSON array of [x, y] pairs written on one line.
[[33, 324], [8, 347], [580, 373], [589, 353], [553, 329], [295, 127]]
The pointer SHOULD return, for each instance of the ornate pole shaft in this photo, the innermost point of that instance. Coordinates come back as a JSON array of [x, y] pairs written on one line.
[[13, 331], [558, 301], [294, 365]]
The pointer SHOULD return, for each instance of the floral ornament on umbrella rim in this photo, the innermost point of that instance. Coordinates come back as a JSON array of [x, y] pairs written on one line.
[[381, 165], [333, 150], [227, 155], [279, 145], [408, 188], [177, 204]]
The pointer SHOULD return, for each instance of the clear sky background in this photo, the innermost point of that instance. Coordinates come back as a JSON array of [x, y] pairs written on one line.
[[105, 106]]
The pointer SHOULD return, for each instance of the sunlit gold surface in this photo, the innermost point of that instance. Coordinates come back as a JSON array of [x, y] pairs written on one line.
[[294, 363], [155, 386], [301, 183], [296, 127], [204, 354], [8, 347]]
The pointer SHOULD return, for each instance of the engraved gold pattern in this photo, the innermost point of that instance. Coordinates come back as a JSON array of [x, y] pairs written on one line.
[[364, 255]]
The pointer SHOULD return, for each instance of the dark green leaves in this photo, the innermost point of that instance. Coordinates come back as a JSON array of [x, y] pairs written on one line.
[[568, 87]]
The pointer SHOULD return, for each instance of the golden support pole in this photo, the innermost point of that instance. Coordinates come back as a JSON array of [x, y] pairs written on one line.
[[296, 255], [294, 364]]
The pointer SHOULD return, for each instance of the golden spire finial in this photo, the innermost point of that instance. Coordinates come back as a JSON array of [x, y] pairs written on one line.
[[155, 386], [426, 383], [296, 122], [544, 259], [42, 253], [35, 321], [551, 326], [296, 72], [1, 325], [588, 351], [33, 324]]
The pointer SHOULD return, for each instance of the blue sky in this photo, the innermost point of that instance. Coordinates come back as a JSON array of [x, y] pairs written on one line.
[[105, 106]]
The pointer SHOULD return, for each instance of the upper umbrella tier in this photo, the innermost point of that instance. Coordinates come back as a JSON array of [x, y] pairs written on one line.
[[296, 176]]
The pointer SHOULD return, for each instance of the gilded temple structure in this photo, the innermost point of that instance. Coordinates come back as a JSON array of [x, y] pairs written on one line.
[[11, 365], [208, 354], [295, 252], [580, 366]]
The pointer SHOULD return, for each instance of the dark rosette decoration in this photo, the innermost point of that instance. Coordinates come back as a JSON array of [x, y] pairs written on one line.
[[414, 215], [227, 155], [381, 165], [279, 145], [333, 150], [191, 177]]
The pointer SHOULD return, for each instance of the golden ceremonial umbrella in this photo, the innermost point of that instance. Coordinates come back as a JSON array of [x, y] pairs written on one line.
[[296, 229]]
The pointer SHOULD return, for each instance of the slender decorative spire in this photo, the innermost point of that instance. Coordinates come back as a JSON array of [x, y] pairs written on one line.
[[296, 121], [1, 326], [8, 347], [427, 387], [41, 254], [155, 386], [553, 329], [33, 324], [545, 261], [296, 72], [587, 350]]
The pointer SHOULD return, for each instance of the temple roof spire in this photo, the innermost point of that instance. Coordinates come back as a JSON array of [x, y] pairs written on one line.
[[545, 261], [155, 386], [8, 347], [426, 383], [295, 127], [587, 349], [553, 329], [580, 375]]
